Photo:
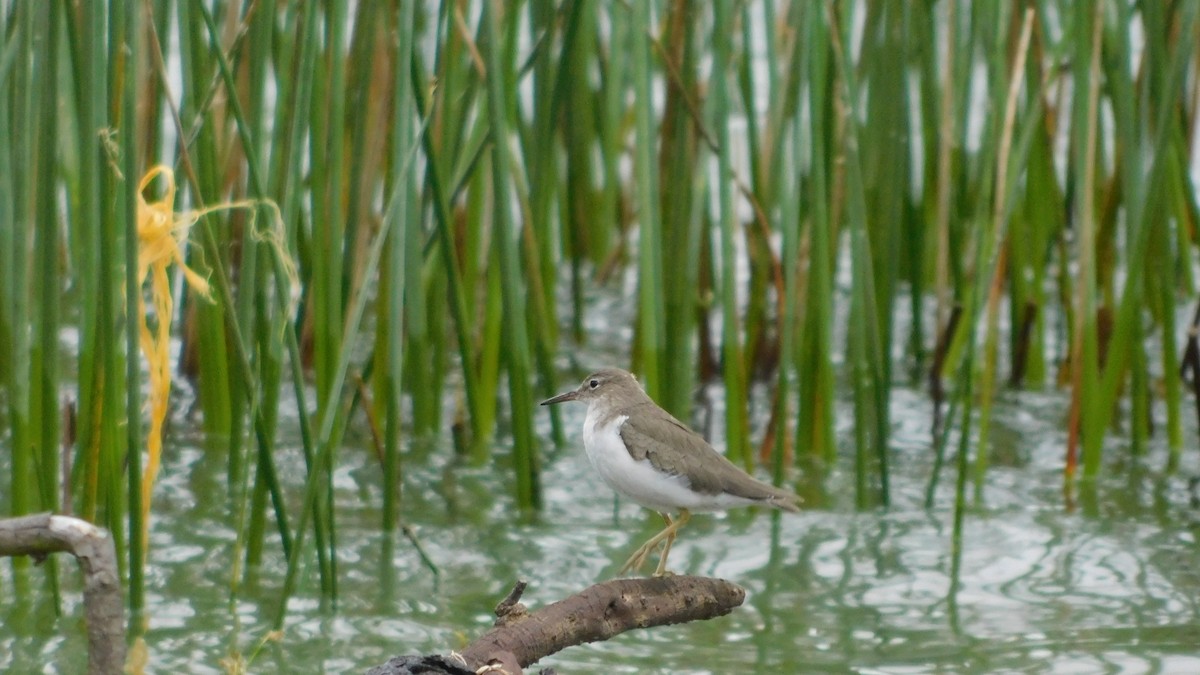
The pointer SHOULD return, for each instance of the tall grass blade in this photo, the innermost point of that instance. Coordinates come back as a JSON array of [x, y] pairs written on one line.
[[732, 366], [126, 27], [517, 347], [651, 342], [865, 349], [814, 428], [404, 230]]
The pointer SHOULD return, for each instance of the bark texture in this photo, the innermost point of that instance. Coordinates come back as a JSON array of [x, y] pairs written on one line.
[[44, 533], [520, 638], [601, 611]]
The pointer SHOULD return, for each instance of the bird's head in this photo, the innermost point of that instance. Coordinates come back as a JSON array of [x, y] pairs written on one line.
[[601, 384]]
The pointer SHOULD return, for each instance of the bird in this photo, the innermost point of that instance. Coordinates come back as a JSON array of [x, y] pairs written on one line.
[[642, 452]]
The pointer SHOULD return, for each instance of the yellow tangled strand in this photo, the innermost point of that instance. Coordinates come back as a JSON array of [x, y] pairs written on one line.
[[161, 233]]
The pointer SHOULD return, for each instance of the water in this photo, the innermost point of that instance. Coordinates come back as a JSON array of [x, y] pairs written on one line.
[[1109, 583], [1104, 580]]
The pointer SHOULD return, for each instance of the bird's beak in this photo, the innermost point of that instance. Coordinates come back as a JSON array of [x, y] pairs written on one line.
[[562, 398]]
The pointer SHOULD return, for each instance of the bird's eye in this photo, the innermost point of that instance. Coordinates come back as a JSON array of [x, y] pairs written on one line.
[[593, 384]]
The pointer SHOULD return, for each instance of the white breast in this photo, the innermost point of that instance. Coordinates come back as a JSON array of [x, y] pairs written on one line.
[[638, 480]]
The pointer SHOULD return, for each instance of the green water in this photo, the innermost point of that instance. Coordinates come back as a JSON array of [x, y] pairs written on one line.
[[1106, 581], [1111, 584]]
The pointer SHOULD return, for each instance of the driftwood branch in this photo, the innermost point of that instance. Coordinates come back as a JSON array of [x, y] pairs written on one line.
[[520, 638], [44, 533]]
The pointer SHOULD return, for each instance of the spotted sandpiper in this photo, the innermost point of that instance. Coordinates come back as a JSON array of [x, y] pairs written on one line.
[[647, 455]]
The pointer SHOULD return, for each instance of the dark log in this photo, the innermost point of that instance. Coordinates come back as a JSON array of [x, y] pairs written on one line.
[[520, 638], [45, 533]]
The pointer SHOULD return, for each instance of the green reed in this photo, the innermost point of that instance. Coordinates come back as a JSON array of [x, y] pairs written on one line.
[[865, 347], [815, 414], [651, 339], [679, 191], [737, 443], [405, 233], [1010, 191]]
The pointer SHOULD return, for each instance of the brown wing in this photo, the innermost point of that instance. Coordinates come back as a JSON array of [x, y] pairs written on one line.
[[673, 448]]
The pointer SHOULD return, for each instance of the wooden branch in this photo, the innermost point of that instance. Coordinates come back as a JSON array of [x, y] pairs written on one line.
[[520, 638], [44, 533], [601, 611]]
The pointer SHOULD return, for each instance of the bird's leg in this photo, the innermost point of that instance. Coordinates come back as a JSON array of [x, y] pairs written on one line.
[[672, 529], [639, 556], [666, 538]]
